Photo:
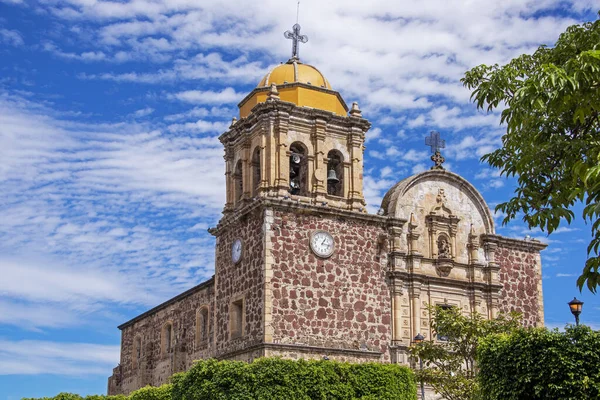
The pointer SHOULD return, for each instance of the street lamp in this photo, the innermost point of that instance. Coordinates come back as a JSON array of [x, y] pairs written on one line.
[[418, 340], [575, 306]]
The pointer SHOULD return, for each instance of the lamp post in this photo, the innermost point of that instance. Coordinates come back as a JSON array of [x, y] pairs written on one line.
[[418, 340], [575, 306]]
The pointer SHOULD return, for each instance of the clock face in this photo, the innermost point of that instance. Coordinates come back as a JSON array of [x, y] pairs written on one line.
[[236, 250], [321, 243]]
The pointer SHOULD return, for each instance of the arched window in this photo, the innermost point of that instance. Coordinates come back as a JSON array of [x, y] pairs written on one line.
[[238, 182], [167, 338], [202, 326], [256, 173], [298, 169], [335, 173]]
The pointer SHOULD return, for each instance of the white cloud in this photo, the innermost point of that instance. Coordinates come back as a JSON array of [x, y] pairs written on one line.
[[418, 168], [89, 196], [373, 134], [27, 357], [385, 171], [565, 229], [565, 275], [11, 37], [227, 95], [201, 112], [143, 112]]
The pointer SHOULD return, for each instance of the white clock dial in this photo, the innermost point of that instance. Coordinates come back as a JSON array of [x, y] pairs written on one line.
[[322, 243], [236, 250]]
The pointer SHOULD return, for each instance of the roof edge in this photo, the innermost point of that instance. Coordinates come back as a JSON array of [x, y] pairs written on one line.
[[180, 296]]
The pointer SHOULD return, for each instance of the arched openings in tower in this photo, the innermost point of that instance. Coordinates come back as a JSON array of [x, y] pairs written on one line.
[[335, 173], [298, 169], [238, 182], [256, 172]]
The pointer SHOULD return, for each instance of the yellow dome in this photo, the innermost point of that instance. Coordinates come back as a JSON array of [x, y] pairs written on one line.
[[294, 71], [297, 83]]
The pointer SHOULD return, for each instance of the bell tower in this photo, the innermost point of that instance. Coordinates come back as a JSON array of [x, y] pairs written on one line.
[[296, 140]]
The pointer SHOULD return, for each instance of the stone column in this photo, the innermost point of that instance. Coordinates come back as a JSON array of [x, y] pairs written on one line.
[[246, 170], [280, 129], [413, 236], [318, 175], [355, 146], [397, 311], [229, 200], [415, 297]]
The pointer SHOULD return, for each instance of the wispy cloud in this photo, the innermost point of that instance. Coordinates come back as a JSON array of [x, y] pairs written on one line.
[[11, 37], [227, 95], [90, 196], [27, 357]]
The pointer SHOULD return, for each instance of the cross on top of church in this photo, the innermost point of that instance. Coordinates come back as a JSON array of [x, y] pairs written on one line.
[[436, 143], [296, 37]]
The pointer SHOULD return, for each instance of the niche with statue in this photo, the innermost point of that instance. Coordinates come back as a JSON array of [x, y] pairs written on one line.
[[442, 227]]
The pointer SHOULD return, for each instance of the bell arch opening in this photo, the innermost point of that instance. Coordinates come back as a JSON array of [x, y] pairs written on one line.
[[298, 169], [335, 173]]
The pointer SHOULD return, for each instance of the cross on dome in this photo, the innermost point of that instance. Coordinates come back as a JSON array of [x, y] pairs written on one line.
[[435, 141], [296, 37]]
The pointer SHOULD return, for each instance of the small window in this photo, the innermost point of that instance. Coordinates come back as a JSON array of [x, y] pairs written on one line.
[[202, 326], [167, 338], [137, 351], [236, 319]]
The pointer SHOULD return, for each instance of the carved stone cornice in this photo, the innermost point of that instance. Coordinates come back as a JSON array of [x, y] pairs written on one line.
[[419, 279], [258, 203], [517, 244]]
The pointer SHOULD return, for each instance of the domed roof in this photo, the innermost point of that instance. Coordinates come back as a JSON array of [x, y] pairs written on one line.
[[294, 71]]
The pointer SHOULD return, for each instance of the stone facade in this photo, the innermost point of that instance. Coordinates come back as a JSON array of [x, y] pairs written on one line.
[[296, 171], [341, 302]]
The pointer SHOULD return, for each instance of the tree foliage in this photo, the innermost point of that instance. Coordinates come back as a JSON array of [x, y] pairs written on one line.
[[540, 364], [551, 109], [449, 365]]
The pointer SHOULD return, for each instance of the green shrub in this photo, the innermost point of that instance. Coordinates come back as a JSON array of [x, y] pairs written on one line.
[[540, 364], [152, 393], [274, 378], [277, 379]]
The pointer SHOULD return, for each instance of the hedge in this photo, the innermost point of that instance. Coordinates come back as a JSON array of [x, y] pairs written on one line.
[[275, 378], [540, 364]]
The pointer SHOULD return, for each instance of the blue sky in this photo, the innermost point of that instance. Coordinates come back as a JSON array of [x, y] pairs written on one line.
[[111, 171]]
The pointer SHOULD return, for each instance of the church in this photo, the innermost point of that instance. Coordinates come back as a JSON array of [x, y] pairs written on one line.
[[302, 270]]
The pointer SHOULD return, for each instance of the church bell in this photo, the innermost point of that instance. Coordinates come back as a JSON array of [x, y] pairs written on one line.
[[332, 177]]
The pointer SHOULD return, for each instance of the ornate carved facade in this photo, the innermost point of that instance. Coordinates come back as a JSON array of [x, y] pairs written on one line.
[[360, 291]]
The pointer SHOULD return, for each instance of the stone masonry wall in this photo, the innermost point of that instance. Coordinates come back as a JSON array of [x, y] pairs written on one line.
[[156, 366], [520, 274], [241, 280], [340, 302]]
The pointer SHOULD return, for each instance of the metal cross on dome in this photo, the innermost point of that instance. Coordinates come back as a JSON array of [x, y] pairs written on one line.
[[436, 143], [296, 37]]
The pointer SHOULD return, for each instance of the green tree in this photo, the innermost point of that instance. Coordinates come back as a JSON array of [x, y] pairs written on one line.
[[550, 104], [449, 365]]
